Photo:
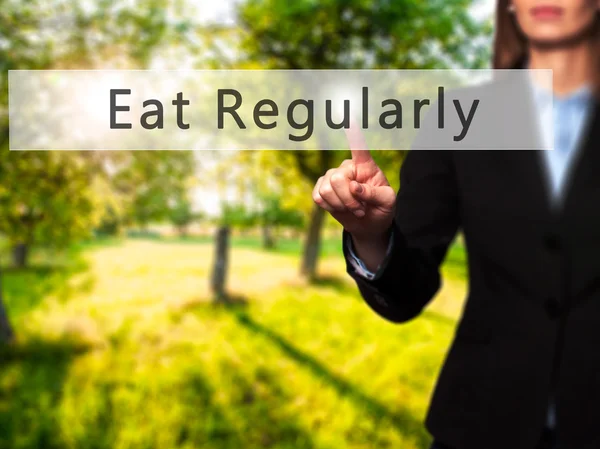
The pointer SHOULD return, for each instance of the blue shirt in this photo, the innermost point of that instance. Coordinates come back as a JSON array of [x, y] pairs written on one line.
[[566, 116]]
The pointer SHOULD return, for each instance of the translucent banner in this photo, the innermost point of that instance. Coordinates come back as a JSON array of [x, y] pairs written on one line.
[[279, 110]]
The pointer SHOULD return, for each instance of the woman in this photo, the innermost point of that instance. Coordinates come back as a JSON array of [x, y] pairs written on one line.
[[523, 371]]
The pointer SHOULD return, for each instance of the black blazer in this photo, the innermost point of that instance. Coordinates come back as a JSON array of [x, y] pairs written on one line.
[[530, 328]]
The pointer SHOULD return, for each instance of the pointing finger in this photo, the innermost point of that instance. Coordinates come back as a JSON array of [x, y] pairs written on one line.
[[358, 145]]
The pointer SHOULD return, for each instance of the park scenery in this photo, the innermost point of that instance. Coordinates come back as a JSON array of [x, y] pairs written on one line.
[[199, 299]]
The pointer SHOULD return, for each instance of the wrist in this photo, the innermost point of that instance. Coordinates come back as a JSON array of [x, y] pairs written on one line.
[[377, 240]]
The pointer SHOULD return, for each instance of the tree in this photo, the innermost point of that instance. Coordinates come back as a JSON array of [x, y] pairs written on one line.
[[273, 215], [220, 264], [151, 183], [275, 196], [238, 215], [110, 222], [6, 331], [356, 34], [269, 217], [46, 197], [181, 214]]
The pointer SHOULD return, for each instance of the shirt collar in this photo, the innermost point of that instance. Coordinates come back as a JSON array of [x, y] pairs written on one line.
[[580, 97], [543, 95]]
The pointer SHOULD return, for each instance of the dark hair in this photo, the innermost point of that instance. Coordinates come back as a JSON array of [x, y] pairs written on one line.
[[510, 44]]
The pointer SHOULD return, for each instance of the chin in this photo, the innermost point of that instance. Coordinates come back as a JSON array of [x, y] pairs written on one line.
[[555, 35], [550, 40]]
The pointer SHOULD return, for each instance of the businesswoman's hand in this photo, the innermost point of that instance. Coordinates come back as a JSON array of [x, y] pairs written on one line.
[[359, 196]]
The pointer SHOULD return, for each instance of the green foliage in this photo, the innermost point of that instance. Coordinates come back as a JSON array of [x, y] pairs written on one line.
[[152, 182], [46, 197], [181, 213], [357, 34], [272, 213], [238, 215], [336, 34], [110, 223], [51, 198]]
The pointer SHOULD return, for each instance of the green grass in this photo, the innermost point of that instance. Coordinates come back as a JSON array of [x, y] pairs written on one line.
[[120, 347]]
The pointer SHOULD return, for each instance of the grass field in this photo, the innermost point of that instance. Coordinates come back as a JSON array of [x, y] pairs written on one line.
[[119, 347]]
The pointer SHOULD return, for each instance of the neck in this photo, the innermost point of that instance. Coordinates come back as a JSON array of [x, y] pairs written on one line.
[[572, 67]]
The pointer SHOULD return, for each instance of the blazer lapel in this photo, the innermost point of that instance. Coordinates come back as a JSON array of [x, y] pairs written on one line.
[[532, 175], [529, 165]]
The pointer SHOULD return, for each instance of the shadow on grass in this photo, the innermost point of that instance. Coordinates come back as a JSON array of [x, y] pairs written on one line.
[[403, 420], [232, 299], [25, 288], [253, 415], [340, 284], [227, 301], [31, 381], [198, 397]]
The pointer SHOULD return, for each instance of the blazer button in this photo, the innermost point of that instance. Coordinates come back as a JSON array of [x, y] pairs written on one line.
[[553, 308], [381, 300], [551, 242]]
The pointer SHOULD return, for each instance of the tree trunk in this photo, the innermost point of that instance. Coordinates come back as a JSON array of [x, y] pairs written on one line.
[[20, 253], [182, 231], [268, 238], [6, 332], [312, 243], [219, 273]]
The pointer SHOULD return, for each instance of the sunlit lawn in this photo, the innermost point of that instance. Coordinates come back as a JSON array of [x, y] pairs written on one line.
[[119, 347]]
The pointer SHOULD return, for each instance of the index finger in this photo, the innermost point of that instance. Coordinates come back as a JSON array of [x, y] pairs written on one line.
[[357, 143]]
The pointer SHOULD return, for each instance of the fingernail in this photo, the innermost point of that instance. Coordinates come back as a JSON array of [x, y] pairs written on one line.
[[359, 213], [359, 188]]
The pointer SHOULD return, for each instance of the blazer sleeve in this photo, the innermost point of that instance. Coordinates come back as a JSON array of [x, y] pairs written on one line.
[[425, 223]]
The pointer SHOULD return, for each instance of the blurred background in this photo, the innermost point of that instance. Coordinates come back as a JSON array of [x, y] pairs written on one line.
[[199, 299]]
